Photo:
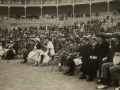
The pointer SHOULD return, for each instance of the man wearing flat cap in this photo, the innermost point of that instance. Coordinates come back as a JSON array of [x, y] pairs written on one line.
[[84, 54], [67, 51]]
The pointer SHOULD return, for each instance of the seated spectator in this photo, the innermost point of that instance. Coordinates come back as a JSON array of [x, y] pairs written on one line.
[[111, 68], [45, 57], [1, 51], [34, 55], [10, 52]]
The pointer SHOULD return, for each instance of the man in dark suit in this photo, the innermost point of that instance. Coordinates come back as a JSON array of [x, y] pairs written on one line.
[[92, 62], [85, 54], [103, 50]]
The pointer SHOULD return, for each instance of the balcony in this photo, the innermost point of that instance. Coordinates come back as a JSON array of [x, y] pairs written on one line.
[[4, 1]]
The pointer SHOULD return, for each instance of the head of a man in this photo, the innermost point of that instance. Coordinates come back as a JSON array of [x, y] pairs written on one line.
[[116, 37], [100, 38], [85, 39]]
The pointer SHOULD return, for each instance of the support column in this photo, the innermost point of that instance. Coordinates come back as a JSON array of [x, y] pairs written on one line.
[[25, 13], [41, 13], [108, 3], [73, 14], [8, 19], [8, 9], [8, 12], [57, 14], [90, 10], [41, 10], [73, 11]]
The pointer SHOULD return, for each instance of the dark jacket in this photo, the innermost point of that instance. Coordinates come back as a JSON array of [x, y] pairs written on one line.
[[86, 51], [38, 45], [103, 50], [114, 48]]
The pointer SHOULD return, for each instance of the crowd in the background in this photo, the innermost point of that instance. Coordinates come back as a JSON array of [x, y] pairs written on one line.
[[88, 44]]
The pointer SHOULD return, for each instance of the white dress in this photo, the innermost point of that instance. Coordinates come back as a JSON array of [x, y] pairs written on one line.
[[1, 51], [51, 47], [46, 57], [34, 55]]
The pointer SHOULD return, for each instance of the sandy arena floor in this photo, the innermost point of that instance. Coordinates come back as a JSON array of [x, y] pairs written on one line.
[[17, 76]]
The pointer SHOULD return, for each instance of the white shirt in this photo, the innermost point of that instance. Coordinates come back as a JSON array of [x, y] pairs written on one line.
[[0, 47], [50, 45]]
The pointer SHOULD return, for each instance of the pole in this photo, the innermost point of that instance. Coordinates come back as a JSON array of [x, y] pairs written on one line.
[[90, 11], [25, 10], [73, 11], [41, 10], [108, 2], [57, 11]]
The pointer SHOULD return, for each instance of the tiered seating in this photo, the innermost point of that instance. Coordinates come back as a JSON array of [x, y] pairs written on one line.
[[47, 1], [4, 1], [16, 2], [63, 1], [53, 1], [31, 2], [69, 1], [82, 0], [37, 1], [12, 2]]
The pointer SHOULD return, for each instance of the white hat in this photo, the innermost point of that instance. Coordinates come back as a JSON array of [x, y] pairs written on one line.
[[38, 39], [11, 41]]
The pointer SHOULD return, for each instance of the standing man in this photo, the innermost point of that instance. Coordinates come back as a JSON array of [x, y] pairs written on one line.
[[85, 54], [103, 50]]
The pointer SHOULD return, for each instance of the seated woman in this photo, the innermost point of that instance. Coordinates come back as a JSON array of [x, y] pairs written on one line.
[[10, 52], [1, 51], [6, 48], [34, 55], [45, 57], [50, 47]]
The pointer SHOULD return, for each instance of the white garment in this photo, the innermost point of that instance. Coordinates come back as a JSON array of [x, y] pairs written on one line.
[[46, 57], [5, 51], [1, 51], [34, 55], [51, 48], [77, 61]]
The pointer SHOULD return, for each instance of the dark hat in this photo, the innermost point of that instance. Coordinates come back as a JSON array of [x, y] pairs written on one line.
[[102, 35], [70, 39], [86, 37], [116, 34], [93, 37], [49, 38], [108, 35]]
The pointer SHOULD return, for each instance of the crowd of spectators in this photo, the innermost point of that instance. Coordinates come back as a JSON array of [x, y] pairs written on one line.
[[81, 41]]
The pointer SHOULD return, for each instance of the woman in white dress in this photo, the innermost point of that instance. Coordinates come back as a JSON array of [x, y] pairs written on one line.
[[46, 58], [50, 47], [34, 55], [1, 51]]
